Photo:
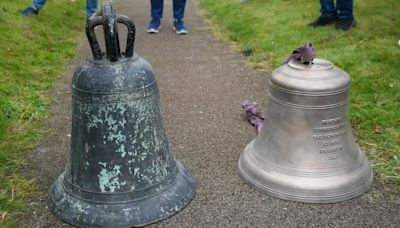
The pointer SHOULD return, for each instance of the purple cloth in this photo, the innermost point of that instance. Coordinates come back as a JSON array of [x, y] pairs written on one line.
[[304, 54], [255, 118]]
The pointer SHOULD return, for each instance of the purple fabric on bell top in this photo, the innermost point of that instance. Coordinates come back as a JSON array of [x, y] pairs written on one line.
[[304, 54]]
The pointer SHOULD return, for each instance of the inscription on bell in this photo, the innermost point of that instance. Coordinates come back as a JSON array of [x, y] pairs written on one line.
[[329, 136], [332, 156], [329, 129], [329, 132], [330, 150], [330, 143], [331, 121]]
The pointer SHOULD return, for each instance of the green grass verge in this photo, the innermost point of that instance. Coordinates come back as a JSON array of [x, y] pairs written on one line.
[[33, 52], [268, 30]]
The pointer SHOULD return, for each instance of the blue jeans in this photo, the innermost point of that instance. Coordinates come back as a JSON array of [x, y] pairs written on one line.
[[158, 5], [91, 6], [38, 4], [344, 8]]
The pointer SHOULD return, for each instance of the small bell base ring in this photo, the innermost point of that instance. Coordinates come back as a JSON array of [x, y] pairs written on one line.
[[306, 188], [81, 213]]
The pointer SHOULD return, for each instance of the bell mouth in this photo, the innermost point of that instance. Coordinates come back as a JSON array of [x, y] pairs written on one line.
[[307, 189], [316, 64], [81, 213]]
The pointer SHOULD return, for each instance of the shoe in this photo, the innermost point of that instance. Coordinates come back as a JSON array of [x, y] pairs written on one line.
[[29, 10], [346, 24], [154, 26], [179, 27], [323, 21]]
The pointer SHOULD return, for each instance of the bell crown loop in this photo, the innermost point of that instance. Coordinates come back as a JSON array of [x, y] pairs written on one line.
[[109, 20]]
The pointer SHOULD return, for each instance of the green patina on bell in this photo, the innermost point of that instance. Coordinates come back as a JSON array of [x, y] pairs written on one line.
[[122, 171]]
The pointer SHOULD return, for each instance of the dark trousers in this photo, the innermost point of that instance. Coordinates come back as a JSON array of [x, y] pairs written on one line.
[[158, 5], [344, 8]]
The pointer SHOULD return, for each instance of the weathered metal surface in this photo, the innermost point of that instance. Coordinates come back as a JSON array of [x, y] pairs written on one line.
[[305, 151], [122, 171]]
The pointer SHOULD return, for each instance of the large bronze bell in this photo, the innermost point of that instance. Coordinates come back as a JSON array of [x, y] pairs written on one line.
[[305, 150], [121, 172]]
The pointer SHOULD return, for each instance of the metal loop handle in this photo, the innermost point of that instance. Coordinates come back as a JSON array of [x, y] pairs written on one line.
[[109, 21], [130, 40], [110, 29], [94, 44]]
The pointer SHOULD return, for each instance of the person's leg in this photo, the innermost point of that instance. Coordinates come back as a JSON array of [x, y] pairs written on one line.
[[157, 8], [328, 14], [34, 8], [91, 7], [327, 8], [179, 9], [156, 14], [345, 15], [38, 4], [344, 9]]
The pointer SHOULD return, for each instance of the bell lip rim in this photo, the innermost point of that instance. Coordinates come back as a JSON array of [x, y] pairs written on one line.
[[174, 173], [289, 170], [183, 173], [284, 192], [309, 198]]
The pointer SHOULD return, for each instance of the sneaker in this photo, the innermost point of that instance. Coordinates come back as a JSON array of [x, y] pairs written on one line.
[[346, 24], [29, 10], [179, 27], [154, 26], [323, 20]]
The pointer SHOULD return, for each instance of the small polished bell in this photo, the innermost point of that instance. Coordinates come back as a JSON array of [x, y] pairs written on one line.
[[305, 150], [122, 172]]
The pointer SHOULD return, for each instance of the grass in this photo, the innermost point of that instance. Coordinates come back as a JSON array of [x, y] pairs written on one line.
[[268, 30], [33, 52]]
